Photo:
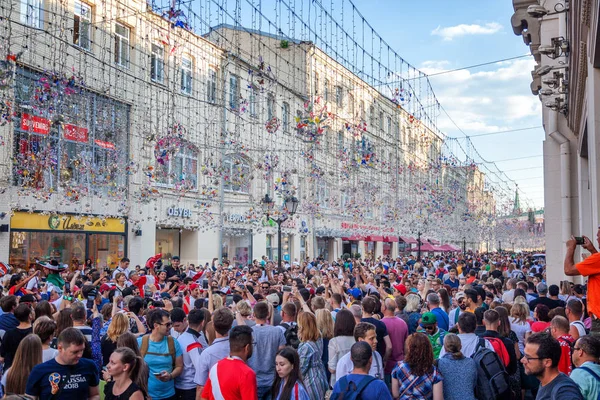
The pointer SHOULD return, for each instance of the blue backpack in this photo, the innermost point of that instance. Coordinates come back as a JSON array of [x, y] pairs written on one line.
[[350, 391]]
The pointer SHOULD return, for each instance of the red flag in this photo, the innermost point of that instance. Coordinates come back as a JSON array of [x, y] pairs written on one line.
[[152, 260]]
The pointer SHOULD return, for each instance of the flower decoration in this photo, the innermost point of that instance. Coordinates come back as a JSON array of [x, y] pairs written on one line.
[[310, 126], [273, 125], [261, 78]]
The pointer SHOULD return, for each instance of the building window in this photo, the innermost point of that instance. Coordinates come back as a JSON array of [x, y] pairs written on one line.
[[180, 171], [302, 248], [339, 96], [269, 247], [237, 173], [186, 75], [122, 38], [361, 109], [157, 63], [340, 141], [389, 125], [381, 120], [31, 13], [82, 26], [351, 105], [316, 84], [397, 130], [234, 92], [326, 90], [373, 116], [94, 133], [252, 103], [322, 193], [270, 106], [211, 86], [285, 117]]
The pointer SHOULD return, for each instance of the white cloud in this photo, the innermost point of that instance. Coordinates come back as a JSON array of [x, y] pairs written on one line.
[[451, 32]]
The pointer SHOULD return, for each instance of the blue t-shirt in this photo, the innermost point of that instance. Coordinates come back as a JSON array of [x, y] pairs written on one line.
[[46, 378], [156, 364], [442, 318], [376, 390]]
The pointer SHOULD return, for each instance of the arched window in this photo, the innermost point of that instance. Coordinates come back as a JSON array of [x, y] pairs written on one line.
[[236, 174], [179, 170]]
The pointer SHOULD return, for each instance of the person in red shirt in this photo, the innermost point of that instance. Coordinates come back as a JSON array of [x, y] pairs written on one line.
[[231, 378], [589, 267], [559, 327]]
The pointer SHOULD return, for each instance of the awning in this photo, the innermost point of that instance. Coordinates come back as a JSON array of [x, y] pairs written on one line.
[[433, 242], [429, 247], [408, 239], [374, 238], [391, 239], [446, 247], [355, 238]]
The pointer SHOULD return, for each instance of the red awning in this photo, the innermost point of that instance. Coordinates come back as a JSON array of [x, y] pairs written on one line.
[[374, 238], [354, 238], [446, 247], [433, 242], [391, 239], [425, 247], [408, 239]]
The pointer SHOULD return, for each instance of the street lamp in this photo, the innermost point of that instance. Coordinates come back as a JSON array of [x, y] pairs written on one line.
[[290, 205], [465, 247], [419, 246]]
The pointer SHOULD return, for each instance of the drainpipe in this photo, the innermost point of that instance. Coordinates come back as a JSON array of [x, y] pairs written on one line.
[[565, 174]]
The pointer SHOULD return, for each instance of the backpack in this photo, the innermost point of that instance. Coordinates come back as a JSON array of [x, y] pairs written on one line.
[[291, 335], [492, 378], [500, 350], [350, 391], [170, 344]]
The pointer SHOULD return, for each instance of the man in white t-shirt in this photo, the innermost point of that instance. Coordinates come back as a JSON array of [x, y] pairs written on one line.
[[123, 267], [363, 332]]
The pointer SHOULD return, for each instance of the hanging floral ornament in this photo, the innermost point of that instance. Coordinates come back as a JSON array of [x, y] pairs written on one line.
[[273, 125], [313, 121], [261, 78], [356, 129], [401, 97]]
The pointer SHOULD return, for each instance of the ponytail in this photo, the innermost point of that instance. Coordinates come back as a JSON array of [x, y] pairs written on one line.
[[139, 369]]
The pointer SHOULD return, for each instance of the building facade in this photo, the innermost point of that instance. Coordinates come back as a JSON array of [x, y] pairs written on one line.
[[126, 134]]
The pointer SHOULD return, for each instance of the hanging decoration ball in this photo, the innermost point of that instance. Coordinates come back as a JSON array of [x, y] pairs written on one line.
[[273, 125]]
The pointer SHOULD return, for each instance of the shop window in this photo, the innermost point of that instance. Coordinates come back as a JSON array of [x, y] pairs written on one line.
[[187, 66], [122, 43], [157, 63], [211, 86], [106, 250], [31, 13], [237, 174], [83, 151], [180, 171], [82, 25]]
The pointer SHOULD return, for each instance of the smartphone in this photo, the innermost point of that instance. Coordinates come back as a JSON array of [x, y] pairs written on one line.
[[286, 288], [579, 240], [67, 287], [228, 300], [205, 284], [157, 374]]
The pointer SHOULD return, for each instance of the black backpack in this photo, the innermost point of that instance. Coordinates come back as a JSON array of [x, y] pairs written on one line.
[[492, 378], [291, 335]]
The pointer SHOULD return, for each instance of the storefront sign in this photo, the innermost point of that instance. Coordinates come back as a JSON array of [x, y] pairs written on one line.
[[35, 124], [62, 222], [75, 133], [349, 225], [179, 212], [236, 218], [105, 145]]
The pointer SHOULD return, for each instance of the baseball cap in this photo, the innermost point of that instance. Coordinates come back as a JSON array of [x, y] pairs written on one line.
[[401, 288], [428, 319], [355, 292], [194, 286], [273, 298], [459, 295], [175, 258], [104, 287]]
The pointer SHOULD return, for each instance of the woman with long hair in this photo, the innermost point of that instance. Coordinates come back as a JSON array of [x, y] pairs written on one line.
[[505, 330], [288, 378], [459, 372], [118, 326], [342, 341], [325, 326], [519, 324], [28, 355], [444, 299], [128, 380], [45, 328], [43, 308], [416, 377], [63, 321], [413, 311], [310, 352]]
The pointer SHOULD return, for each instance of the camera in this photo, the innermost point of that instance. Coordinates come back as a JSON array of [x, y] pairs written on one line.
[[286, 288], [579, 240]]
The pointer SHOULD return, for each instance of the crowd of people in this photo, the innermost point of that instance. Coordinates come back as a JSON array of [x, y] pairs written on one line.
[[475, 326]]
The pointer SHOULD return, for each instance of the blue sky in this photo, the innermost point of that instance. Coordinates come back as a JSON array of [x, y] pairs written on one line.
[[441, 35], [436, 35]]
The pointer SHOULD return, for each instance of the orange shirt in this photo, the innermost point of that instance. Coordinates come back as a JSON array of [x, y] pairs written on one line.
[[590, 267]]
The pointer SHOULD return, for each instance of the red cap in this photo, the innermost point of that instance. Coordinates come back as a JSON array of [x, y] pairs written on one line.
[[194, 286], [401, 288], [104, 287]]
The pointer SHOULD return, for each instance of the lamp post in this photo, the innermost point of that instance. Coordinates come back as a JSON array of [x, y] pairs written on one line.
[[499, 246], [419, 246], [464, 246], [290, 205]]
